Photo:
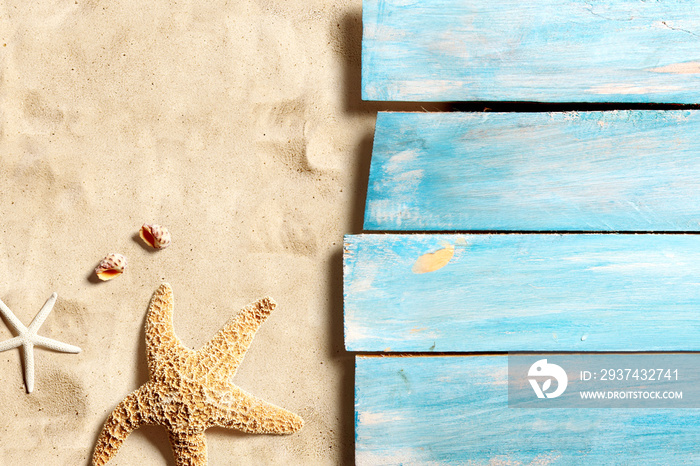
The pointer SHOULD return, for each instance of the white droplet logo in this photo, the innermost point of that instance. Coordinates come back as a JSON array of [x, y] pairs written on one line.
[[541, 369]]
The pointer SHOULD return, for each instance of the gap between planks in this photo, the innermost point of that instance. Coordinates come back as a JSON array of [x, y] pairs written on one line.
[[454, 354], [527, 232]]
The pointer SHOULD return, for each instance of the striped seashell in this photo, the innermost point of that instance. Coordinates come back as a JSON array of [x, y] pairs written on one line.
[[155, 236], [111, 266]]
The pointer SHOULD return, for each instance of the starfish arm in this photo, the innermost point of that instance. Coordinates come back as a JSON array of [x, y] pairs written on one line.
[[160, 333], [55, 345], [252, 415], [12, 318], [222, 355], [128, 416], [43, 314], [189, 448], [28, 351], [11, 343]]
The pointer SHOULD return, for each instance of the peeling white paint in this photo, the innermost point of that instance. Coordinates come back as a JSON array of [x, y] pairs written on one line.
[[369, 418], [626, 89]]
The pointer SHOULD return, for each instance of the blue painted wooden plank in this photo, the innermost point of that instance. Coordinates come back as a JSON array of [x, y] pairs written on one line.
[[548, 51], [590, 171], [522, 292], [453, 410]]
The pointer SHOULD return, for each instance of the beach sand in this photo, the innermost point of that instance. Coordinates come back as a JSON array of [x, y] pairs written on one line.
[[236, 124]]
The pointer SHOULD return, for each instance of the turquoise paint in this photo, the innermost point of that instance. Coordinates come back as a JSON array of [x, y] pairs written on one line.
[[590, 171], [548, 51], [523, 292], [453, 410]]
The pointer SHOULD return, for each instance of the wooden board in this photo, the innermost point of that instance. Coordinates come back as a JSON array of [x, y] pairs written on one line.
[[522, 292], [453, 410], [590, 171], [548, 51]]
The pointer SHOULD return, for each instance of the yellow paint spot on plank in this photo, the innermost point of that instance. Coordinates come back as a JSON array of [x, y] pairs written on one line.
[[418, 330], [689, 67], [433, 261]]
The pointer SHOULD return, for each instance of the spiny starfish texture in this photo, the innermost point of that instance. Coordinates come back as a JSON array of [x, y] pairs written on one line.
[[28, 338], [189, 391]]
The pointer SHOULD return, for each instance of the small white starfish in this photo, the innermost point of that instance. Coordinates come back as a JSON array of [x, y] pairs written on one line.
[[28, 337]]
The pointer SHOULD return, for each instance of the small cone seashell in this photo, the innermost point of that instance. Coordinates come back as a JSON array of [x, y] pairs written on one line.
[[155, 236], [111, 266]]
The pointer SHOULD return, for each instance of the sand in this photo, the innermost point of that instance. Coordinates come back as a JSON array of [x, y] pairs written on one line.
[[236, 124]]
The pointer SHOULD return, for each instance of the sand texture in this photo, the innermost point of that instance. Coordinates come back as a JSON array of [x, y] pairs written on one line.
[[235, 124]]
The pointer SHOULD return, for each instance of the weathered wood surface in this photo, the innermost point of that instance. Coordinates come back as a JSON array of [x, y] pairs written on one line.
[[522, 292], [453, 410], [547, 51], [589, 171]]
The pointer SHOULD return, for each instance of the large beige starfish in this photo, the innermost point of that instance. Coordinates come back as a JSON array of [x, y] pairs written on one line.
[[189, 391]]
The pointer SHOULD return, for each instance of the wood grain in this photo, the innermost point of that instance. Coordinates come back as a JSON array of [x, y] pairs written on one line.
[[453, 410], [590, 171], [522, 292], [547, 51]]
